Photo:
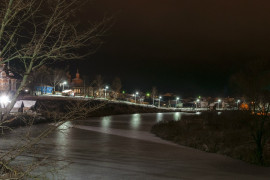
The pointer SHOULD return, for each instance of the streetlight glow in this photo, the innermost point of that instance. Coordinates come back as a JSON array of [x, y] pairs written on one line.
[[4, 100], [106, 87], [159, 101], [238, 101], [136, 95], [197, 101], [63, 84], [177, 99], [218, 103]]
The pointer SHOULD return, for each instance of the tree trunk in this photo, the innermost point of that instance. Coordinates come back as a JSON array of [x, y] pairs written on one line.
[[14, 99]]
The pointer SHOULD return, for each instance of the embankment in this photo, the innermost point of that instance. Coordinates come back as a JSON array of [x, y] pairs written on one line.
[[234, 134]]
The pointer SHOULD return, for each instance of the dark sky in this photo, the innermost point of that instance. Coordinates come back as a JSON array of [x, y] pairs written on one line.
[[183, 46]]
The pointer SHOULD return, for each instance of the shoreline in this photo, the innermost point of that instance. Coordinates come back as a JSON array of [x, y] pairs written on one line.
[[45, 105]]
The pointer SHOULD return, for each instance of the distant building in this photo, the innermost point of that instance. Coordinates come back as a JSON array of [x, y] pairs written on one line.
[[77, 81], [204, 104], [7, 81], [77, 85], [43, 89]]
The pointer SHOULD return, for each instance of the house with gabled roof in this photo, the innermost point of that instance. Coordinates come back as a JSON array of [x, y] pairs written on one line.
[[7, 80]]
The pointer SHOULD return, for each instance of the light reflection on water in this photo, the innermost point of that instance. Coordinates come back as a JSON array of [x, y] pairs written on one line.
[[61, 137], [177, 116], [135, 121], [106, 122], [159, 117]]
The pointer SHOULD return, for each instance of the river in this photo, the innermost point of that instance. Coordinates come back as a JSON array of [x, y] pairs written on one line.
[[122, 147]]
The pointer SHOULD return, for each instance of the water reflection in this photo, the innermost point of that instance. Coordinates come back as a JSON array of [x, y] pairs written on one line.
[[159, 117], [62, 137], [135, 121], [106, 122], [177, 116]]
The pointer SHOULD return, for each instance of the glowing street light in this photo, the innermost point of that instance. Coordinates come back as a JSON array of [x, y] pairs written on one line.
[[218, 103], [63, 84], [4, 100], [177, 99], [106, 87], [159, 101], [135, 96], [197, 101], [238, 101]]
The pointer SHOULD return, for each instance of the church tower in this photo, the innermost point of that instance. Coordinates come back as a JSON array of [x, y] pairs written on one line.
[[77, 81]]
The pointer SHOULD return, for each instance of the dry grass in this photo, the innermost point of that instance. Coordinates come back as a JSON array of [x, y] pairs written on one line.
[[229, 134]]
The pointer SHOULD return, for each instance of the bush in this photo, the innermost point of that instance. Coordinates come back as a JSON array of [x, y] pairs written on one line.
[[229, 133]]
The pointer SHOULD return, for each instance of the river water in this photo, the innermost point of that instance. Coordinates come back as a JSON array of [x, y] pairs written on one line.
[[122, 147]]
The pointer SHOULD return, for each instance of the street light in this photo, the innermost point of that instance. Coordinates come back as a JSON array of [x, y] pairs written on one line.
[[106, 87], [159, 98], [197, 101], [176, 101], [4, 100], [135, 96], [218, 103], [238, 101], [65, 82]]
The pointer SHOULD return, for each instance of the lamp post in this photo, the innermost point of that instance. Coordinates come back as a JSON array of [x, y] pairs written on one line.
[[238, 101], [135, 96], [65, 82], [159, 101], [4, 100], [177, 99], [218, 103], [105, 91], [198, 100]]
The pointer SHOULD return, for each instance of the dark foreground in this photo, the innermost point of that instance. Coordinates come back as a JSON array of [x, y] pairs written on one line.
[[228, 133], [122, 147]]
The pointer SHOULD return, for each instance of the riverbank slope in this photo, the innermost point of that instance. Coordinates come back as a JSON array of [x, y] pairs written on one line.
[[229, 133]]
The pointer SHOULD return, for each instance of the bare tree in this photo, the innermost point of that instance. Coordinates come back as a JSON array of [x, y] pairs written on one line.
[[40, 77], [116, 86], [99, 84], [253, 82], [36, 32], [29, 143], [56, 77]]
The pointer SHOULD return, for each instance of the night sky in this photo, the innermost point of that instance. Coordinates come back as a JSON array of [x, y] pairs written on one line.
[[189, 47]]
